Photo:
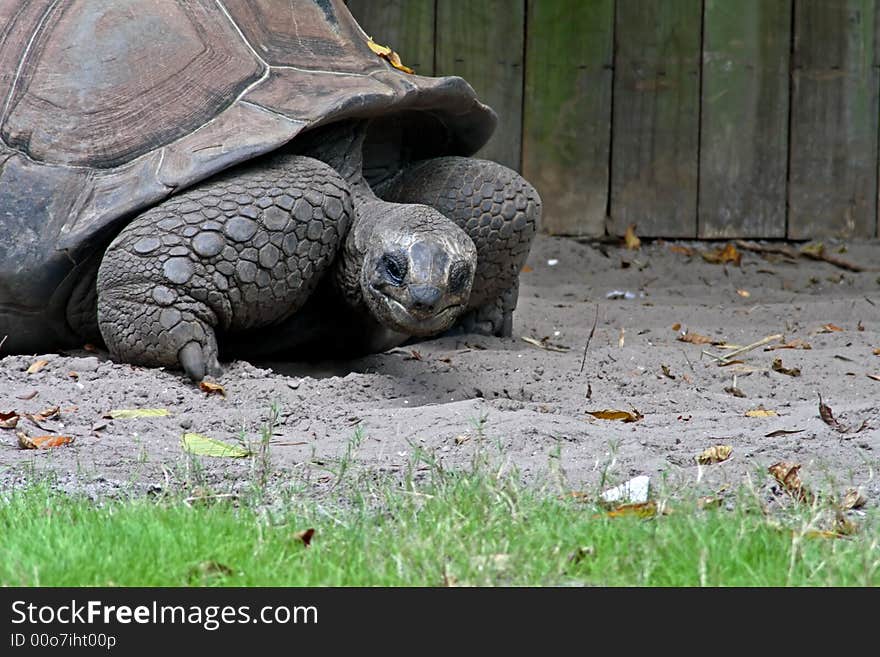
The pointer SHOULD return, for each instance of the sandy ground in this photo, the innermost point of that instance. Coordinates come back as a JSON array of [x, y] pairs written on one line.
[[529, 403]]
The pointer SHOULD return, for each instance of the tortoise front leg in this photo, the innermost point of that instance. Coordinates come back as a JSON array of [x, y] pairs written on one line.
[[497, 208], [240, 252]]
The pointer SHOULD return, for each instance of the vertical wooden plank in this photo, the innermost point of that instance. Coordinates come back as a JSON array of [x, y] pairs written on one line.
[[744, 118], [482, 41], [656, 117], [567, 111], [407, 26], [833, 178]]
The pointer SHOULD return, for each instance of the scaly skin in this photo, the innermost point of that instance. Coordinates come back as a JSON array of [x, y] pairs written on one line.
[[500, 212], [243, 250]]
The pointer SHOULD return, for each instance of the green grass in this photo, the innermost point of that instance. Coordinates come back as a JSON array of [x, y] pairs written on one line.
[[457, 528]]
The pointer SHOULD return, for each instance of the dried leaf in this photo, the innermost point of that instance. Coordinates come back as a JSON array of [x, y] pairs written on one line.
[[828, 418], [212, 388], [526, 269], [787, 475], [682, 250], [853, 499], [875, 377], [696, 338], [830, 328], [761, 412], [196, 443], [794, 344], [816, 249], [129, 413], [715, 454], [8, 420], [41, 442], [782, 432], [640, 510], [744, 293], [630, 239], [461, 439], [666, 372], [388, 55], [876, 352], [623, 416], [621, 338], [723, 256], [677, 327], [777, 366], [36, 366], [45, 414], [305, 536], [541, 344]]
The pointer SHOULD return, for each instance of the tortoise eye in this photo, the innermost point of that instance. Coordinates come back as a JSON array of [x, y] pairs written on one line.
[[395, 267], [459, 276]]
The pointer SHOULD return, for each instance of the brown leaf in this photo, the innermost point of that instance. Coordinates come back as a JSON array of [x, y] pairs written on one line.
[[305, 536], [723, 256], [8, 420], [526, 269], [853, 499], [830, 328], [696, 338], [677, 327], [828, 418], [46, 414], [666, 372], [388, 55], [36, 366], [682, 250], [715, 454], [794, 344], [761, 412], [777, 366], [623, 416], [876, 352], [782, 432], [211, 388], [41, 442], [787, 475], [745, 294], [640, 510], [630, 239]]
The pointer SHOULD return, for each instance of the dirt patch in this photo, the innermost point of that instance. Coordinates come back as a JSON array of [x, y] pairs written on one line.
[[530, 403]]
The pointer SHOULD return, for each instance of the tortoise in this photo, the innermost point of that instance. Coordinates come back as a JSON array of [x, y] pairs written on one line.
[[181, 177]]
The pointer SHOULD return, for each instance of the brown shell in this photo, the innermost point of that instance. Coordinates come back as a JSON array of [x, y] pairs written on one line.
[[108, 107]]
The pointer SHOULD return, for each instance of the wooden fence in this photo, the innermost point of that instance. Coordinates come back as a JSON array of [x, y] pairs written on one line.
[[689, 118]]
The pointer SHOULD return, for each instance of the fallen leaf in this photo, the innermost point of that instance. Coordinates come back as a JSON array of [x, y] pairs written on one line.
[[541, 344], [8, 420], [640, 510], [212, 388], [830, 328], [794, 344], [677, 327], [787, 475], [744, 293], [621, 338], [715, 454], [696, 338], [777, 366], [526, 269], [723, 256], [828, 418], [388, 55], [45, 414], [761, 412], [782, 432], [860, 326], [462, 439], [196, 443], [41, 442], [128, 413], [36, 366], [815, 249], [666, 372], [877, 351], [683, 250], [875, 377], [853, 499], [630, 239], [305, 536], [623, 416]]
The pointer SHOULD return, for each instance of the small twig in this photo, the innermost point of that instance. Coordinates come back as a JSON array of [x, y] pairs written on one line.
[[837, 262], [589, 339], [2, 342], [684, 353], [748, 347], [760, 248]]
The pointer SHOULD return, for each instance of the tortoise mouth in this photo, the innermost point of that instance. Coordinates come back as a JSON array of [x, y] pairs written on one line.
[[398, 317]]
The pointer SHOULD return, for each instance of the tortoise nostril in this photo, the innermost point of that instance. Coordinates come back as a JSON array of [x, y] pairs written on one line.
[[424, 297]]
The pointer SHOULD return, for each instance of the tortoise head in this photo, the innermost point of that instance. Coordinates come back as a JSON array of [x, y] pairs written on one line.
[[417, 270]]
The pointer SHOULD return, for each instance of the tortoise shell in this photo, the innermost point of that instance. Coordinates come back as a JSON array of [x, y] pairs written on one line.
[[109, 106]]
